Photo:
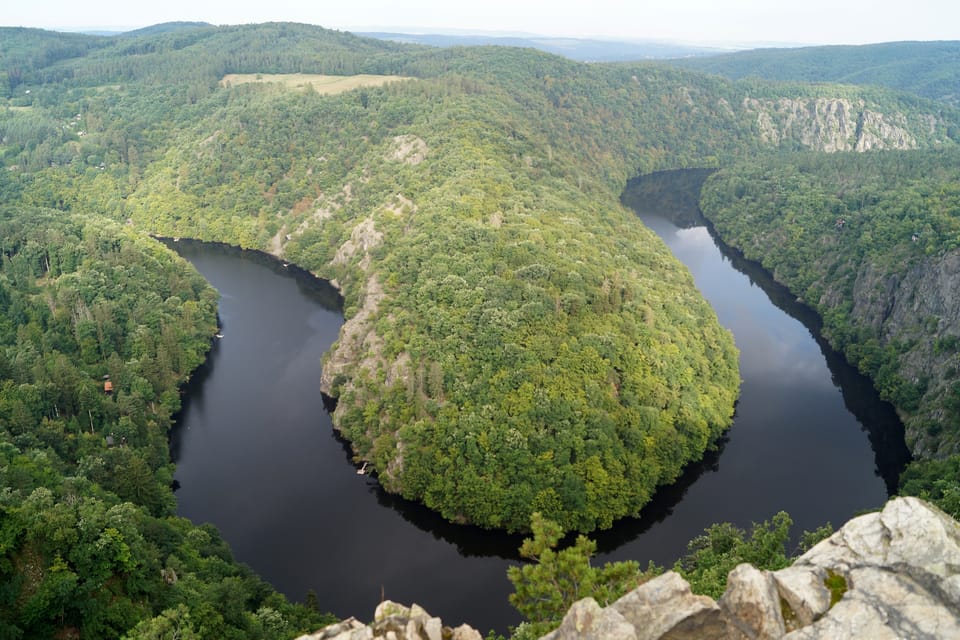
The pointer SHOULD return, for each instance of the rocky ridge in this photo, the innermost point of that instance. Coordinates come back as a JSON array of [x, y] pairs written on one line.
[[891, 574], [393, 621]]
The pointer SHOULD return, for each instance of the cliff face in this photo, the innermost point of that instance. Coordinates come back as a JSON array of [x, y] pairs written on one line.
[[828, 124], [892, 574], [870, 242], [920, 309]]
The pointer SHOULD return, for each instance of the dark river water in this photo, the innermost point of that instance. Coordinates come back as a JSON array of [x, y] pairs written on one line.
[[257, 457]]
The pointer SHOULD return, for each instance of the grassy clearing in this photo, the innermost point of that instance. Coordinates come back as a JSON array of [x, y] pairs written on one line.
[[320, 83]]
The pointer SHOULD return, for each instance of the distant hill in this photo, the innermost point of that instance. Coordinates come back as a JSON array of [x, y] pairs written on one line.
[[580, 49], [928, 69], [165, 27]]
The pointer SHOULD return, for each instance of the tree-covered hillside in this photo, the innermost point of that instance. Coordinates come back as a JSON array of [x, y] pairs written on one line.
[[928, 69], [98, 327], [871, 242]]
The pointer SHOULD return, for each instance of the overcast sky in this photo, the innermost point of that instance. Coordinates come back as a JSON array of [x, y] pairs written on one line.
[[696, 21]]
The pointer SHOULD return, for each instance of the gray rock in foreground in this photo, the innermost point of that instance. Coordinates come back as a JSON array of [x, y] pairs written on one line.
[[896, 573], [393, 621]]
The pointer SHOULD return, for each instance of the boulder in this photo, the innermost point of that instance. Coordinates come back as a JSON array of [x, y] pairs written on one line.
[[752, 603], [804, 593], [890, 574], [665, 607], [393, 621], [586, 620]]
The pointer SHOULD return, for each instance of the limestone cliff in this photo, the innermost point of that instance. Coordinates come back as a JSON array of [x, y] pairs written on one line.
[[828, 124], [892, 574]]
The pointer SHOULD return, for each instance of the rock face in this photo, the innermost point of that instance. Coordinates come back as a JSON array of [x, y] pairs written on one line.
[[828, 124], [892, 574], [393, 621], [921, 308]]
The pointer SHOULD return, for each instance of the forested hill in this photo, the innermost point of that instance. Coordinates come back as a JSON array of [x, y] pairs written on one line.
[[99, 325], [928, 69]]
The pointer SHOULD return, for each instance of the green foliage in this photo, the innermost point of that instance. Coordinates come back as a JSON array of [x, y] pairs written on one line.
[[937, 481], [543, 352], [723, 546], [555, 579], [88, 542], [810, 538], [530, 347], [837, 585]]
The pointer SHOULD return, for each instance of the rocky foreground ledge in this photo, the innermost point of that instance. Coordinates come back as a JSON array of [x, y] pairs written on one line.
[[891, 574], [393, 621]]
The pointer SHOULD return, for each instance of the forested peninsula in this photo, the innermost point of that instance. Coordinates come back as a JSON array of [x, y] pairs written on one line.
[[515, 342]]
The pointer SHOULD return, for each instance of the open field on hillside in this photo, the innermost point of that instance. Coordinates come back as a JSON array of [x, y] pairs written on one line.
[[321, 83]]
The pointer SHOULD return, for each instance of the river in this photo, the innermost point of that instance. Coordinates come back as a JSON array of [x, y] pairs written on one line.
[[256, 454]]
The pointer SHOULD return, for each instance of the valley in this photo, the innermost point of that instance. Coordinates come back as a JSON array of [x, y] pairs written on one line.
[[514, 342]]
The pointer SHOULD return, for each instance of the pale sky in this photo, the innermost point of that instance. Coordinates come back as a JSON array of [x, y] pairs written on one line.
[[692, 21]]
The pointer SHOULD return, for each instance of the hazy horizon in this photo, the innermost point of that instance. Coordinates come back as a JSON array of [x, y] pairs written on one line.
[[702, 22]]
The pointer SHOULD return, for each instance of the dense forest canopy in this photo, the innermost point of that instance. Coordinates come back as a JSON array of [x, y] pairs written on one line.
[[515, 342], [99, 326]]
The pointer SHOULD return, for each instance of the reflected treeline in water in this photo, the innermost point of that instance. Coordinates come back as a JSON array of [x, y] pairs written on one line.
[[262, 462], [190, 396], [674, 194], [876, 416], [662, 504], [470, 541], [317, 288]]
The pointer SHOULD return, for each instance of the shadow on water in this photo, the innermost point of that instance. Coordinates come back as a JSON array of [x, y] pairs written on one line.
[[877, 417], [663, 503], [470, 541], [317, 288], [675, 194], [356, 534]]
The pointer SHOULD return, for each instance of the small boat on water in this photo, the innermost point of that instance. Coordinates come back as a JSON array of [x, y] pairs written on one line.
[[362, 470]]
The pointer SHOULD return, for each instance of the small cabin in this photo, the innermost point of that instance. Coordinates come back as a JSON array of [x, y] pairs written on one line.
[[108, 387]]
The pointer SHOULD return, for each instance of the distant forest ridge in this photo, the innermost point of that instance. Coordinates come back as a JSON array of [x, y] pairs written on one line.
[[579, 49], [928, 69]]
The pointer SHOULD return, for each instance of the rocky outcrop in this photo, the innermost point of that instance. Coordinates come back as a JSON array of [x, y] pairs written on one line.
[[393, 621], [891, 574], [407, 148], [828, 124]]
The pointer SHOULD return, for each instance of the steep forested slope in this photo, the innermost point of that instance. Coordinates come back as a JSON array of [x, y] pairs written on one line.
[[872, 242], [928, 69]]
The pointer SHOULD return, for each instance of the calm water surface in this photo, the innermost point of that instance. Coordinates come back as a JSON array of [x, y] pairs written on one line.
[[256, 454]]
